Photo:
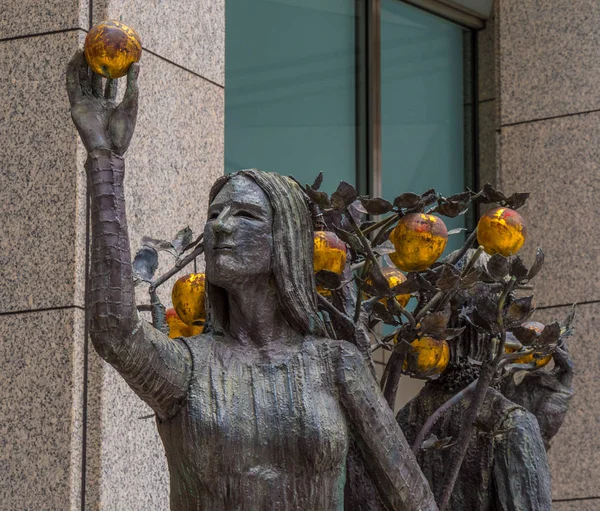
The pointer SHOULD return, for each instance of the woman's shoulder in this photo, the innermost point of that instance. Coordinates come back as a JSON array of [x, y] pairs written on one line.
[[332, 344], [337, 350], [197, 343], [350, 369]]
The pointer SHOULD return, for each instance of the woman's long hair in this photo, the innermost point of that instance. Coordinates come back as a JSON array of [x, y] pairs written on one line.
[[292, 255]]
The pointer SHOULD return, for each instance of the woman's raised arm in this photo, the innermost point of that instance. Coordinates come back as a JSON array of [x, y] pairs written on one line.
[[156, 367], [386, 454]]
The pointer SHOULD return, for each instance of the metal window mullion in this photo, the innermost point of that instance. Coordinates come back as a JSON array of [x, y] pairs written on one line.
[[448, 11], [361, 98], [476, 183], [374, 97]]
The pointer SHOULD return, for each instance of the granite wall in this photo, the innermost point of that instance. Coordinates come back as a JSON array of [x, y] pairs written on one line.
[[548, 123], [72, 435], [65, 416]]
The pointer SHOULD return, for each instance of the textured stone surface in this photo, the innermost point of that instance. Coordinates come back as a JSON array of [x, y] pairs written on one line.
[[77, 405], [379, 367], [486, 58], [27, 17], [487, 142], [407, 388], [175, 156], [191, 34], [41, 355], [574, 461], [548, 58], [577, 505], [39, 179], [126, 464], [557, 161]]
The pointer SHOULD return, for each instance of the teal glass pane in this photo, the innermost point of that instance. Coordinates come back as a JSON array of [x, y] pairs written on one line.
[[422, 105], [289, 88]]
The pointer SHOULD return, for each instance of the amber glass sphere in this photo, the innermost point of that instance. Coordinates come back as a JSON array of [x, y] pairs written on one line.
[[188, 298], [329, 252], [501, 231], [394, 277], [111, 47], [427, 357], [419, 240], [178, 328], [527, 359]]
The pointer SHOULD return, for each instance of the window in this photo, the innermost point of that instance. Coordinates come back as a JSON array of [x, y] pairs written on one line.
[[373, 92], [424, 99], [290, 88]]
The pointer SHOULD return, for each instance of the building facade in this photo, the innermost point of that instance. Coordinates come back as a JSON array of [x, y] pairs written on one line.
[[72, 435]]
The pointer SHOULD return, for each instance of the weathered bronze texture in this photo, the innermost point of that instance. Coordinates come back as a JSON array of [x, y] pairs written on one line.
[[276, 405], [505, 467], [259, 412]]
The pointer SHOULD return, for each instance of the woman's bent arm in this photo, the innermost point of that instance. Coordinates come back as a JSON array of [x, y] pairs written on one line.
[[386, 453]]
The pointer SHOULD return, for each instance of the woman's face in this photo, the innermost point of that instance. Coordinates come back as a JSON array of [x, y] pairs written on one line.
[[238, 236]]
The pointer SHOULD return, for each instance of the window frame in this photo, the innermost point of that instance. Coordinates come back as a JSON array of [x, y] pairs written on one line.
[[368, 84], [452, 11], [368, 93]]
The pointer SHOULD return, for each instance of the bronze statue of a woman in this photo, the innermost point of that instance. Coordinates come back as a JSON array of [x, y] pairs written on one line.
[[258, 413]]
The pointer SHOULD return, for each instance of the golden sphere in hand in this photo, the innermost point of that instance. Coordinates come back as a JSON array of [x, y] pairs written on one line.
[[537, 327], [111, 47]]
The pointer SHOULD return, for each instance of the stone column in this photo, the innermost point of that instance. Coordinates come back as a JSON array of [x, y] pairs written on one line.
[[70, 431], [549, 123]]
